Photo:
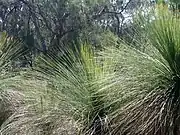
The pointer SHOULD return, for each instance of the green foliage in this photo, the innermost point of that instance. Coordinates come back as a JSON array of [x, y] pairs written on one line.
[[95, 87], [10, 49], [118, 89], [165, 38], [175, 1], [160, 106], [25, 100], [82, 81]]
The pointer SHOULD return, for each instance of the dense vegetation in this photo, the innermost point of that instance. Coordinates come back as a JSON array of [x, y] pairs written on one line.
[[89, 67]]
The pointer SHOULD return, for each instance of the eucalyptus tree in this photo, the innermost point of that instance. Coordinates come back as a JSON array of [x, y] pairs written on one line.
[[40, 24], [42, 20]]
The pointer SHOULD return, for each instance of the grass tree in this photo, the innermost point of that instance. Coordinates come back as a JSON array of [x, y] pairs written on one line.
[[25, 104], [158, 111], [137, 93], [82, 80], [10, 49], [93, 87]]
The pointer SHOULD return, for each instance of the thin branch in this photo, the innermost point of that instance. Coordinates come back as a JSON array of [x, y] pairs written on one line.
[[45, 20], [105, 11]]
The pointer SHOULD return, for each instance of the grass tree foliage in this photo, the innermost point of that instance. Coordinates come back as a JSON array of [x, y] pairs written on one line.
[[137, 94], [94, 87], [158, 112], [83, 80], [10, 50], [25, 104], [116, 91]]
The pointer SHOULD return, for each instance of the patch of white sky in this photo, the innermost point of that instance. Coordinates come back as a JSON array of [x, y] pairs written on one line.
[[127, 16]]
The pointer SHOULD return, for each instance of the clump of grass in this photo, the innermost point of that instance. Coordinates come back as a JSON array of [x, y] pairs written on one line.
[[10, 101], [39, 112], [158, 111], [10, 49], [94, 87], [82, 80]]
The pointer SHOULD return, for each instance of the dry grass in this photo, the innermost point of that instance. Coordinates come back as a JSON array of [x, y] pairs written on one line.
[[28, 109]]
